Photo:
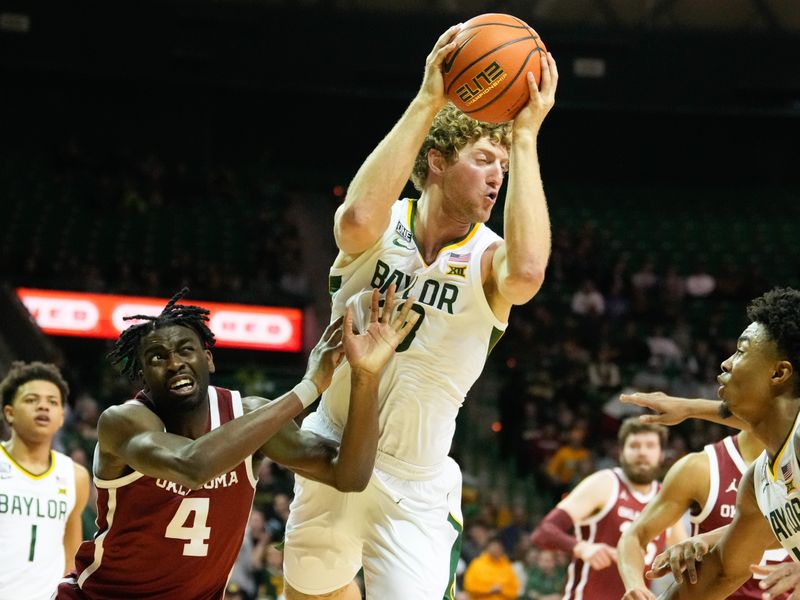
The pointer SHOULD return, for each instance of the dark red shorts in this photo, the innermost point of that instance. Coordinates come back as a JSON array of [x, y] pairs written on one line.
[[68, 589]]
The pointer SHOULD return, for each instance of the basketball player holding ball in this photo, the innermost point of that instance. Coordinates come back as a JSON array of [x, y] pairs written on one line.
[[405, 528]]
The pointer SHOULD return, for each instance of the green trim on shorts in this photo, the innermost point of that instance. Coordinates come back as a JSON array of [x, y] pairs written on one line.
[[455, 553]]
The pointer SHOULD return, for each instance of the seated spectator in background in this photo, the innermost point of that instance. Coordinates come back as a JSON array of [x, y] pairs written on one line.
[[477, 535], [603, 372], [544, 577], [571, 462], [700, 283], [490, 576], [587, 301]]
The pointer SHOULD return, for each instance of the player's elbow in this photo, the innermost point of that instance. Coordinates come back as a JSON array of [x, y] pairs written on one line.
[[523, 284], [353, 482]]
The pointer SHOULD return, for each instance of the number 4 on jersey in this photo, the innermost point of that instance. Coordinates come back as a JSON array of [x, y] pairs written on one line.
[[196, 534]]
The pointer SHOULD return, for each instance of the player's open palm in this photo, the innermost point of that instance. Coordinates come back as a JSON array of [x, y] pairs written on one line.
[[371, 349]]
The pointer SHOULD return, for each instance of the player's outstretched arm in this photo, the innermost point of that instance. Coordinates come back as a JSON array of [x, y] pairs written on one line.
[[364, 216], [588, 497], [683, 485], [133, 436], [349, 467], [671, 410], [519, 263], [727, 565], [73, 530]]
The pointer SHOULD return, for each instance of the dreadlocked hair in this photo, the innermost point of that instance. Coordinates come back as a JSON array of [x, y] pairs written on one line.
[[126, 348]]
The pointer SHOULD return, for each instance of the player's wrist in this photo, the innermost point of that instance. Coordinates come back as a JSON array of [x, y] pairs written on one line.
[[306, 391]]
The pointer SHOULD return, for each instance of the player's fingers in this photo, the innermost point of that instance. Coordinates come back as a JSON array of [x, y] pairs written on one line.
[[691, 569], [402, 314], [388, 304], [763, 570], [778, 587], [676, 567], [445, 44], [653, 420], [331, 328], [408, 324], [552, 68], [347, 324]]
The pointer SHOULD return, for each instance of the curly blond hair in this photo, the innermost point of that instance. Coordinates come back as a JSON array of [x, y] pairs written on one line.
[[450, 131]]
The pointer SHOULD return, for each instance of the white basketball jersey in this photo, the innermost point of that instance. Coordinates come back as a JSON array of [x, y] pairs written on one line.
[[33, 514], [778, 495], [423, 386]]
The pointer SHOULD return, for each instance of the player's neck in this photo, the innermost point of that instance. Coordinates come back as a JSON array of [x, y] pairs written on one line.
[[773, 427], [191, 424], [641, 488], [433, 227], [33, 456], [749, 447]]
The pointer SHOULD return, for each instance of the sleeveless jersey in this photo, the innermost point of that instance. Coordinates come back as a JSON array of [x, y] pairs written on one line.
[[725, 469], [157, 540], [423, 386], [33, 514], [621, 509], [777, 492]]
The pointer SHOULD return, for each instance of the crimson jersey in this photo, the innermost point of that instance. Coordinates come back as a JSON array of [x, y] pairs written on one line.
[[622, 507], [725, 469], [158, 540]]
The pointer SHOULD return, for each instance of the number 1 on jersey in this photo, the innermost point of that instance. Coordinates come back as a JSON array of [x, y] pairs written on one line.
[[197, 534]]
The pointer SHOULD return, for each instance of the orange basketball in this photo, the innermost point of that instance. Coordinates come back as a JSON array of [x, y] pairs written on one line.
[[485, 76]]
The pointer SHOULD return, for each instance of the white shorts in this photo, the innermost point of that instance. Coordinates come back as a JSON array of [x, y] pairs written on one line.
[[405, 534]]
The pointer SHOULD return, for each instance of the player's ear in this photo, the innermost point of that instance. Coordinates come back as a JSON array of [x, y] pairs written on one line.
[[782, 372], [210, 359], [8, 411], [436, 162]]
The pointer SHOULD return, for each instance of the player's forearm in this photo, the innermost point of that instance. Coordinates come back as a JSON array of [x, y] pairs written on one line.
[[192, 463], [551, 534], [353, 466], [630, 562], [383, 175], [708, 410], [526, 224]]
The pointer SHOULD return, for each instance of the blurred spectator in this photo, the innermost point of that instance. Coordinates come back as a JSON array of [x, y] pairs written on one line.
[[490, 576], [544, 577], [571, 462], [603, 372], [587, 301], [700, 283]]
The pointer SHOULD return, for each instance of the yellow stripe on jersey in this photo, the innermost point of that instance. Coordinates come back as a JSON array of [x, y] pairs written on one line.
[[25, 471], [775, 466]]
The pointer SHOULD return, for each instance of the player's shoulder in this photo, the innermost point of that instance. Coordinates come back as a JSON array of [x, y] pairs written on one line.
[[601, 482], [251, 403], [128, 416]]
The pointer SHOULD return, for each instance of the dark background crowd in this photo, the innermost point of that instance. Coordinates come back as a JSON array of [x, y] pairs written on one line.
[[209, 146]]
